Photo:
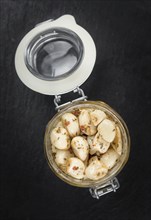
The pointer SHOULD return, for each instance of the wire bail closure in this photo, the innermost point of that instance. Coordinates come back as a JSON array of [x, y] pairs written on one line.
[[110, 186], [57, 99]]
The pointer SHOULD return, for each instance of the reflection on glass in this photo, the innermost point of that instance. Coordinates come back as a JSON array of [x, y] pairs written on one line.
[[56, 58], [54, 54]]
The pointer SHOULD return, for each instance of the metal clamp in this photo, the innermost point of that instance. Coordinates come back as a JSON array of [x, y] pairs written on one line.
[[108, 187], [57, 99]]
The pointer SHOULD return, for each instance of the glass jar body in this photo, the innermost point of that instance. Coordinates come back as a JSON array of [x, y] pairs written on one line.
[[125, 144]]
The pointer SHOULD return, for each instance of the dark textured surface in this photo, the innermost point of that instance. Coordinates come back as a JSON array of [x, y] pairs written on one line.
[[121, 77]]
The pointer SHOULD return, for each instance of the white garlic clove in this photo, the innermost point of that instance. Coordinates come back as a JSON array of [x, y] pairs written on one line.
[[117, 143], [110, 158], [75, 168], [91, 130], [99, 145], [97, 116], [107, 130], [85, 123], [62, 156], [80, 147], [60, 138], [96, 170], [84, 118], [70, 122]]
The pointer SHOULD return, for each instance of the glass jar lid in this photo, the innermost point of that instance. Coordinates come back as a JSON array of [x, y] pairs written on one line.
[[55, 57]]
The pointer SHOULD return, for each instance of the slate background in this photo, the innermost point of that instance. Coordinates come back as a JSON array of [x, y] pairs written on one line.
[[121, 77]]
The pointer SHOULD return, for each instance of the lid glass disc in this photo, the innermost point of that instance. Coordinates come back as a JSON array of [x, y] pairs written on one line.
[[54, 54]]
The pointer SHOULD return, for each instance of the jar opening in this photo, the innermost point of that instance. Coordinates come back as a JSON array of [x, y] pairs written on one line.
[[54, 54]]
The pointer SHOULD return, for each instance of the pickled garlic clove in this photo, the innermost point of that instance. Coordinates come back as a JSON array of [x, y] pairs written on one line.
[[75, 168], [96, 170], [70, 122], [109, 158], [85, 123], [84, 117], [99, 145], [62, 156], [97, 116], [117, 143], [60, 138], [80, 147], [107, 130], [90, 130]]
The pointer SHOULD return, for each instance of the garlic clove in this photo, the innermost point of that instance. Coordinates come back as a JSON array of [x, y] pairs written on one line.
[[62, 156], [96, 170], [117, 143], [85, 123], [60, 138], [80, 147], [99, 145], [75, 168], [70, 122], [97, 116], [107, 130], [109, 158]]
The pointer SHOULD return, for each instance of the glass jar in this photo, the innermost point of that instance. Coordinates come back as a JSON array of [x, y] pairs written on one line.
[[54, 58], [107, 183]]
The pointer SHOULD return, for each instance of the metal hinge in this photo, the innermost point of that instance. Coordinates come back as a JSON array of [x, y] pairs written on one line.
[[57, 99], [111, 186]]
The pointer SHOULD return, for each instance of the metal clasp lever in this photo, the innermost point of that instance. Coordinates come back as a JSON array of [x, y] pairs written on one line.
[[57, 99], [110, 186]]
